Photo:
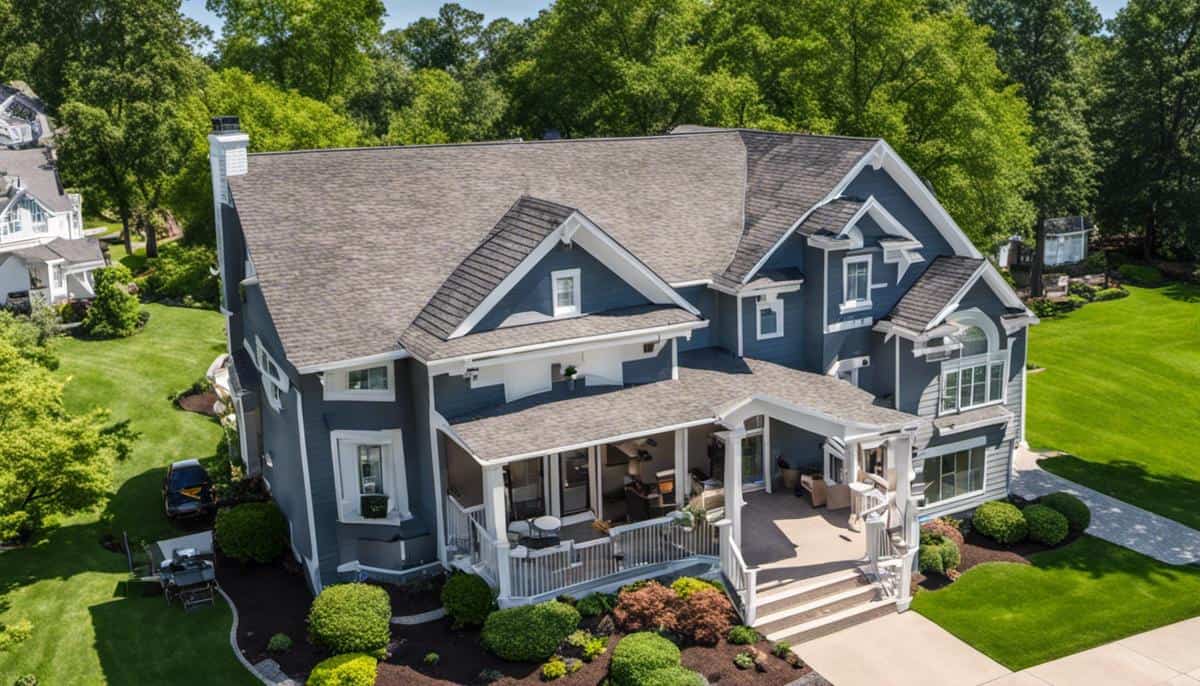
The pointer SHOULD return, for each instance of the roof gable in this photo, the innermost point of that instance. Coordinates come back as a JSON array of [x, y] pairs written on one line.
[[938, 291]]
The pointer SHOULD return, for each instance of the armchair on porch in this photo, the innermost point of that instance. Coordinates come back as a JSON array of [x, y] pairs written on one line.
[[641, 505]]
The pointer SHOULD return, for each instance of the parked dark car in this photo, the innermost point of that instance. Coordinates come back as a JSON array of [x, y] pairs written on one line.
[[187, 490]]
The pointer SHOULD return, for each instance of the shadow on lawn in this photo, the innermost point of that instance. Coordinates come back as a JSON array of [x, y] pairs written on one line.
[[1177, 290], [1100, 559], [1171, 495]]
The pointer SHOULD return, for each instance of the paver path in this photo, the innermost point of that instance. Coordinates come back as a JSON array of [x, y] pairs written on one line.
[[1112, 520]]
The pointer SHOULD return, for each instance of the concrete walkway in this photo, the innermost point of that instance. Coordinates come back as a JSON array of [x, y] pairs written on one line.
[[1112, 520]]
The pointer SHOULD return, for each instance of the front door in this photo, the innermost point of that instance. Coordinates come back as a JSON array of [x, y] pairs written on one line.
[[574, 484], [525, 489]]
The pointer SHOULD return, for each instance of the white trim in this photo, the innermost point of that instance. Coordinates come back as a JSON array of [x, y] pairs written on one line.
[[576, 296], [775, 304], [354, 362], [315, 576], [394, 462], [738, 299], [969, 426], [436, 460], [1024, 390], [858, 304], [848, 325], [619, 260], [694, 282], [994, 280], [335, 385], [896, 392]]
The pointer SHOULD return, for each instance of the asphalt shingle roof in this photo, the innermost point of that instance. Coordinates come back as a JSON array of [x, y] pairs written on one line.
[[74, 251], [933, 291], [708, 380], [36, 169], [351, 245], [831, 217], [624, 320]]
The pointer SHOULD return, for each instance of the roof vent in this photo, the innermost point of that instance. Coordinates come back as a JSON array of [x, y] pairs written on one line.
[[226, 124]]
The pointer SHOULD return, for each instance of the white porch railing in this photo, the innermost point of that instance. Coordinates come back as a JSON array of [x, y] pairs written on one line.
[[534, 573], [890, 555], [742, 578], [486, 555], [459, 531]]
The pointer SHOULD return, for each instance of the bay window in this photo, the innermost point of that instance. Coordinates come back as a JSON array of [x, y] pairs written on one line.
[[953, 475]]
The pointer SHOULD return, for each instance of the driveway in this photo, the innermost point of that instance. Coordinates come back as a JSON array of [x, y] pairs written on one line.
[[909, 650]]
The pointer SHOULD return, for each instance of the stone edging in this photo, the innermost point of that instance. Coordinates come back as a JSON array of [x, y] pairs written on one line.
[[423, 618], [237, 652]]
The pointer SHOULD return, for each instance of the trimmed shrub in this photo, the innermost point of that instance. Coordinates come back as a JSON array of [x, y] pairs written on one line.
[[1042, 307], [432, 658], [743, 660], [1074, 302], [639, 656], [1046, 525], [705, 617], [676, 675], [468, 599], [351, 618], [180, 272], [115, 311], [1140, 275], [743, 635], [1075, 510], [1001, 522], [279, 643], [1110, 294], [529, 633], [554, 669], [938, 553], [943, 528], [595, 604], [649, 607], [12, 634], [252, 531], [1082, 289], [684, 586], [351, 669]]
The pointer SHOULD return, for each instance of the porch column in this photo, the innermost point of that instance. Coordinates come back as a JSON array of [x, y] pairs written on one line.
[[733, 480], [681, 461], [496, 518]]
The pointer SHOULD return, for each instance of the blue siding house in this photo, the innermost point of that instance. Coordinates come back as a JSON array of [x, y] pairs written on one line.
[[566, 364]]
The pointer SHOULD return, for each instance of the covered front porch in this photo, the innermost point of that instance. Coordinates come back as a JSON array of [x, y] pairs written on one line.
[[602, 511]]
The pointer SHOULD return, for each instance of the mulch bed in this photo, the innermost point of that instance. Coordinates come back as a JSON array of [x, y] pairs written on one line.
[[978, 549], [716, 664], [416, 597], [270, 599], [200, 403]]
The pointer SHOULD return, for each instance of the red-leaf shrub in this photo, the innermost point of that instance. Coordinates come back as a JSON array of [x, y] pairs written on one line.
[[944, 529], [648, 608], [705, 616]]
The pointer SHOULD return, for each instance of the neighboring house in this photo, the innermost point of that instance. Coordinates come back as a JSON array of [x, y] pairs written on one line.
[[1066, 243], [435, 346], [44, 254], [23, 121]]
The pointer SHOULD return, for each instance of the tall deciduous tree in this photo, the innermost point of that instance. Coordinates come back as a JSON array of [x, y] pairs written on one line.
[[1037, 43], [443, 110], [125, 140], [317, 48], [1149, 121], [924, 79], [450, 41]]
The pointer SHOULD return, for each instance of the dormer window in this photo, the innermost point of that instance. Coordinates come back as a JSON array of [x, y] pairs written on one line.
[[770, 317], [565, 292], [856, 283]]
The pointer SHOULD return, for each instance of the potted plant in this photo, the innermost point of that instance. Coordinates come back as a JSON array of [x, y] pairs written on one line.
[[373, 506], [569, 373], [685, 519], [790, 476]]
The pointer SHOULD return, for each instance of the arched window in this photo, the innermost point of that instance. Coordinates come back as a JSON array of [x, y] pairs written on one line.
[[976, 377]]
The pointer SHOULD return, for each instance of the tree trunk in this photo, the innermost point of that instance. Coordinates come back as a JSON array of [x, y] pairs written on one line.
[[1039, 257], [1148, 236], [151, 235], [125, 233]]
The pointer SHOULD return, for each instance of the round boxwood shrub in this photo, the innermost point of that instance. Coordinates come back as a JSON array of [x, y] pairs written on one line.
[[351, 618], [1001, 522], [1075, 510], [1046, 525], [684, 586], [529, 633], [252, 531], [639, 656], [595, 604], [676, 675], [468, 599], [351, 669]]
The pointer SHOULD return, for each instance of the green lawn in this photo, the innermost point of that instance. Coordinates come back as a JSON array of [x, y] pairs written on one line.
[[1081, 596], [85, 630], [1119, 394]]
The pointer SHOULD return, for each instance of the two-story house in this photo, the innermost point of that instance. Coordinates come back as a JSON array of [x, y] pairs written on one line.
[[529, 359], [44, 254]]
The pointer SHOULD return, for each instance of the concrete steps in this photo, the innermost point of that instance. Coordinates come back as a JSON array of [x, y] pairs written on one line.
[[797, 611]]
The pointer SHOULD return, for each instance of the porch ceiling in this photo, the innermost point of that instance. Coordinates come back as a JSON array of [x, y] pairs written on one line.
[[712, 386]]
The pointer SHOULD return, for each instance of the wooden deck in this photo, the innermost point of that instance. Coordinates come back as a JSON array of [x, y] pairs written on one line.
[[789, 540]]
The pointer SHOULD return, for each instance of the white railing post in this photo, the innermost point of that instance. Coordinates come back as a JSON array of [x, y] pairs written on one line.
[[874, 535], [503, 570]]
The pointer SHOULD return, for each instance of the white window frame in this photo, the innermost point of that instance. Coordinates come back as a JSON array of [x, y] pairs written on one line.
[[775, 304], [395, 476], [274, 386], [983, 478], [857, 304], [995, 358], [555, 277], [336, 384]]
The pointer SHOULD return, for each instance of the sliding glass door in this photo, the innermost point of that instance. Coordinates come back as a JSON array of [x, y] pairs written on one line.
[[573, 476], [525, 489]]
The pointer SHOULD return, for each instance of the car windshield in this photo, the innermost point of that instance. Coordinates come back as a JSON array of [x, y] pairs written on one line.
[[188, 477]]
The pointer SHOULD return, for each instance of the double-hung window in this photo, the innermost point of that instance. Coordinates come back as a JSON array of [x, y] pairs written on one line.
[[976, 378], [370, 469], [953, 475], [275, 383], [770, 317], [370, 379], [565, 292], [856, 283], [364, 383]]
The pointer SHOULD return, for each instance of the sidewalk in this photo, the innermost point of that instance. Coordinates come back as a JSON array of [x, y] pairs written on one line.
[[1113, 520]]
